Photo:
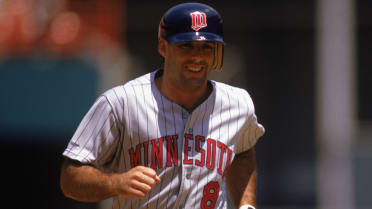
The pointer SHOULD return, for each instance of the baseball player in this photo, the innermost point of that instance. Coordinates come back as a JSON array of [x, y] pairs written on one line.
[[170, 138]]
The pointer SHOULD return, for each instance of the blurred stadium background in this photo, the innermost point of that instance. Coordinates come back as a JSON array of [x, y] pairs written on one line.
[[307, 65]]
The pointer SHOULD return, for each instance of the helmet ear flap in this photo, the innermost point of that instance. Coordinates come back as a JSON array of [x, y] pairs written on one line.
[[218, 56]]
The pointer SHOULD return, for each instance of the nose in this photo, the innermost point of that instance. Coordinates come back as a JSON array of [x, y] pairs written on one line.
[[197, 56]]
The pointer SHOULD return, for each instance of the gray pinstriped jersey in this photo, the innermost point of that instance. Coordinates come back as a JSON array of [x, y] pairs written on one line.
[[134, 125]]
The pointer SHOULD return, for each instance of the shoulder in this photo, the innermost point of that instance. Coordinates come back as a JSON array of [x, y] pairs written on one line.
[[238, 96], [228, 90], [121, 92], [118, 96]]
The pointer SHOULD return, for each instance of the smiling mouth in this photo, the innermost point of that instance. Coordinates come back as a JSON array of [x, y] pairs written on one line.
[[195, 69]]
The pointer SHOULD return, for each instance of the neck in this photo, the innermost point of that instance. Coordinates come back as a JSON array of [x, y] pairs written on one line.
[[187, 99]]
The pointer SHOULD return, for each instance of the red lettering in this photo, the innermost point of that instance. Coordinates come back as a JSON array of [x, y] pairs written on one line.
[[157, 153], [193, 19], [228, 162], [146, 152], [211, 153], [172, 150], [200, 150], [222, 153], [198, 20], [186, 159], [135, 157]]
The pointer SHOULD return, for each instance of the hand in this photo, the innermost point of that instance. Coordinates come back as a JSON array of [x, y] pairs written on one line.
[[137, 182]]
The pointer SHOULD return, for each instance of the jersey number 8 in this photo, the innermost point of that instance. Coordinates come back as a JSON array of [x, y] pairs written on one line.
[[210, 195]]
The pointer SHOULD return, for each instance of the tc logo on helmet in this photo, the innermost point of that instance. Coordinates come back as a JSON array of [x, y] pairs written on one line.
[[198, 20]]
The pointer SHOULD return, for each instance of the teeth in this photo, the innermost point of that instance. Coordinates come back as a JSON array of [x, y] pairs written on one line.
[[194, 69]]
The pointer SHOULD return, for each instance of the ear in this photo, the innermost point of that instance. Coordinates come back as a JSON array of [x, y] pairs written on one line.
[[162, 47]]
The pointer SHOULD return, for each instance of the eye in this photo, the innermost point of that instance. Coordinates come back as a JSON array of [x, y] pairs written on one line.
[[186, 46], [208, 46]]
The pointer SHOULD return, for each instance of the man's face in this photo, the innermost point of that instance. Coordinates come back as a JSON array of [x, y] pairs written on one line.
[[188, 64]]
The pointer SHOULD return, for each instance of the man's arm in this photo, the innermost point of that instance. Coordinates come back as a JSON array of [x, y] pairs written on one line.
[[241, 179], [87, 183]]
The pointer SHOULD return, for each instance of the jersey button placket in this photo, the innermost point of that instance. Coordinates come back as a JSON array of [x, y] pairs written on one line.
[[185, 116], [187, 130], [184, 184], [187, 169]]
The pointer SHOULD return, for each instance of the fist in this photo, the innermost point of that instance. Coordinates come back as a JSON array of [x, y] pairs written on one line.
[[137, 182]]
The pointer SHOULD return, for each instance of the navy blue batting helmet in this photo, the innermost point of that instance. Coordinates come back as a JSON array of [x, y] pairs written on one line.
[[194, 22]]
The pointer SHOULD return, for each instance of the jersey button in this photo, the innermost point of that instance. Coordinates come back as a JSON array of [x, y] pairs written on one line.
[[188, 176]]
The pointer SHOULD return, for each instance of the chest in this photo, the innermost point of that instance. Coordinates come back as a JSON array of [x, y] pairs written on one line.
[[162, 134]]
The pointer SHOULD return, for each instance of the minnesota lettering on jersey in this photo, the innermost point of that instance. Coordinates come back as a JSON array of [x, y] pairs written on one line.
[[154, 149]]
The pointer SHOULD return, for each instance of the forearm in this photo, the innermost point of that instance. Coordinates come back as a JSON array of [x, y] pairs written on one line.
[[242, 179], [85, 183]]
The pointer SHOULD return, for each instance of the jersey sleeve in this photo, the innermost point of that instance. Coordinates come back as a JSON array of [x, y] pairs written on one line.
[[97, 135], [252, 130]]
